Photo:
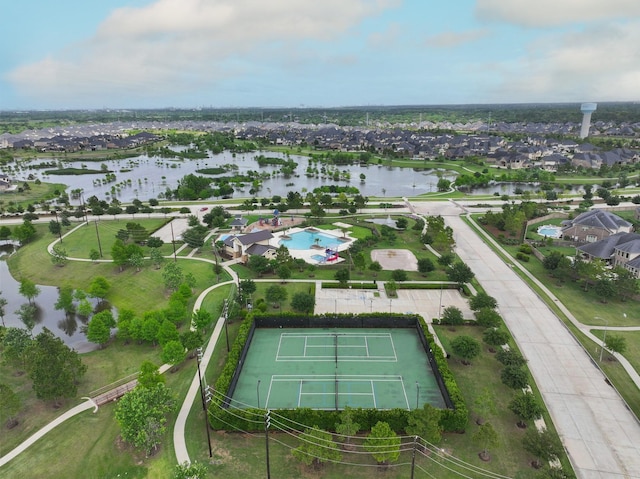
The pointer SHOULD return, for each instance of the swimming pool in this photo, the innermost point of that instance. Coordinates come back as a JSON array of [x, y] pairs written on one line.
[[306, 239], [550, 231]]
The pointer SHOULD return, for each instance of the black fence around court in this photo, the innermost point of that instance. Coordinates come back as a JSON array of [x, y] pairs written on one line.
[[340, 321]]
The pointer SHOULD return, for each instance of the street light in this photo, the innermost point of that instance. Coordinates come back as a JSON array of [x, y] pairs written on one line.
[[604, 336], [417, 394]]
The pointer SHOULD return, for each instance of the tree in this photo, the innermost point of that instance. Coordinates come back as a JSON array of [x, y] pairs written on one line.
[[495, 336], [25, 232], [191, 340], [119, 254], [247, 288], [284, 273], [275, 294], [526, 406], [99, 288], [514, 377], [487, 436], [136, 260], [9, 406], [425, 422], [488, 318], [154, 242], [460, 273], [53, 367], [28, 289], [15, 347], [425, 265], [156, 258], [375, 267], [317, 448], [194, 470], [399, 275], [94, 255], [194, 237], [201, 319], [173, 353], [172, 276], [347, 427], [3, 304], [485, 405], [605, 289], [510, 357], [5, 232], [342, 276], [59, 256], [65, 300], [141, 414], [98, 331], [482, 300], [359, 261], [383, 443], [452, 316], [27, 314], [616, 343], [258, 264], [54, 228], [466, 348], [149, 375], [167, 332], [626, 284], [543, 444], [303, 302]]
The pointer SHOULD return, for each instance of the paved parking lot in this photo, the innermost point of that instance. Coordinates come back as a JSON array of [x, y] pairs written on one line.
[[424, 302]]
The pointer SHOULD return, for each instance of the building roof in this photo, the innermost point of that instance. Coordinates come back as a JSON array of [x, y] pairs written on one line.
[[606, 247], [600, 219], [259, 249], [249, 238]]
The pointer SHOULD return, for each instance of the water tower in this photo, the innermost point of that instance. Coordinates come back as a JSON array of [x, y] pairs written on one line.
[[587, 109]]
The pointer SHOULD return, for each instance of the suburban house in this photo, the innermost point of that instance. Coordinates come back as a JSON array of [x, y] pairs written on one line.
[[620, 249], [243, 246], [5, 182], [593, 226]]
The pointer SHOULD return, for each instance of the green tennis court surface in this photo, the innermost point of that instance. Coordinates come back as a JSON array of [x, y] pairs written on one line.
[[334, 368]]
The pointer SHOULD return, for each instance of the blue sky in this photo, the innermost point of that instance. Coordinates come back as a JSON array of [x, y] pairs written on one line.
[[290, 53]]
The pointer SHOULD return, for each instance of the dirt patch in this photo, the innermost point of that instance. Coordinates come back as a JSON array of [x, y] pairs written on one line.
[[391, 259]]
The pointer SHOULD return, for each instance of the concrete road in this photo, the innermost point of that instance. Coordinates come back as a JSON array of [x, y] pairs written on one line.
[[601, 436]]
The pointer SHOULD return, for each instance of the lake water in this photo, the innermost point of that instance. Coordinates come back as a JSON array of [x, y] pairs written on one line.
[[149, 177], [66, 328]]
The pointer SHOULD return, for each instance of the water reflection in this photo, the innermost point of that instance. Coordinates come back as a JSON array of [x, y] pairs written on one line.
[[66, 327]]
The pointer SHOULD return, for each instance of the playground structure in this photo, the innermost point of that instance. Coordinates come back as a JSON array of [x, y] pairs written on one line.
[[331, 254], [275, 221]]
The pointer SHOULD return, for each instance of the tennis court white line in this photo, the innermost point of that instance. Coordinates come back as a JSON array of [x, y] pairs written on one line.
[[300, 393], [333, 394], [327, 335], [268, 394], [373, 390], [404, 390], [385, 359], [278, 351], [321, 377], [366, 345], [393, 346]]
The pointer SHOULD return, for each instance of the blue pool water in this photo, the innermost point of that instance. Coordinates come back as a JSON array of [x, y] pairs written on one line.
[[318, 257], [550, 231], [305, 239]]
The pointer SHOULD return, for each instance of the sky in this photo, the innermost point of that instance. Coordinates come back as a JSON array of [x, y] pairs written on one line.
[[83, 54]]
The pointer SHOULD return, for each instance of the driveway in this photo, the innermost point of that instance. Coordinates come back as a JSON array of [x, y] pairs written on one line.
[[601, 436]]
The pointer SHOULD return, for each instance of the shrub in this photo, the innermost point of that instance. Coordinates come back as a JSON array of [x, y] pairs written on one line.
[[495, 337], [514, 377], [510, 357], [488, 318], [523, 257]]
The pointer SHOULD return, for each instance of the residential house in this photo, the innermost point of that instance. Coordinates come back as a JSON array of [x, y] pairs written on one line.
[[620, 249], [594, 225]]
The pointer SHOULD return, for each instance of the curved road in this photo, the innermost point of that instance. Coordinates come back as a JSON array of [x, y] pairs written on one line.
[[601, 436]]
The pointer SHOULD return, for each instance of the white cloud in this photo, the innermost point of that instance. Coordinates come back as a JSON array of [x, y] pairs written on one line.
[[599, 64], [174, 46], [455, 39], [546, 13], [387, 38]]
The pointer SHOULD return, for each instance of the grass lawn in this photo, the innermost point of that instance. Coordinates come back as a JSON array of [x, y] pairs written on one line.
[[35, 194], [79, 243]]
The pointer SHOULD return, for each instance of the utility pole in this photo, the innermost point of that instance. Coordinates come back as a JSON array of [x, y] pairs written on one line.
[[97, 236], [267, 423]]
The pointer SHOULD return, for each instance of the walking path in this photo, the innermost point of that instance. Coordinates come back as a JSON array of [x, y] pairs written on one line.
[[601, 436]]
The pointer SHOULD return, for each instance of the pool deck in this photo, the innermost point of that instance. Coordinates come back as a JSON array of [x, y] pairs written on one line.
[[306, 254]]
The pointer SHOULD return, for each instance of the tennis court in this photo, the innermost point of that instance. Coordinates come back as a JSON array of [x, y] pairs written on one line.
[[332, 368]]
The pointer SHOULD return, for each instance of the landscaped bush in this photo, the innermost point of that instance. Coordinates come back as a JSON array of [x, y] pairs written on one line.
[[523, 257], [510, 357], [514, 377]]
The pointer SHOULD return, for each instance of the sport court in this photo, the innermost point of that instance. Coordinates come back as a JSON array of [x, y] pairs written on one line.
[[380, 368]]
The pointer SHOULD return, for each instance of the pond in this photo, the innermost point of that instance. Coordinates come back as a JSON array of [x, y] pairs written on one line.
[[146, 177], [67, 328]]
